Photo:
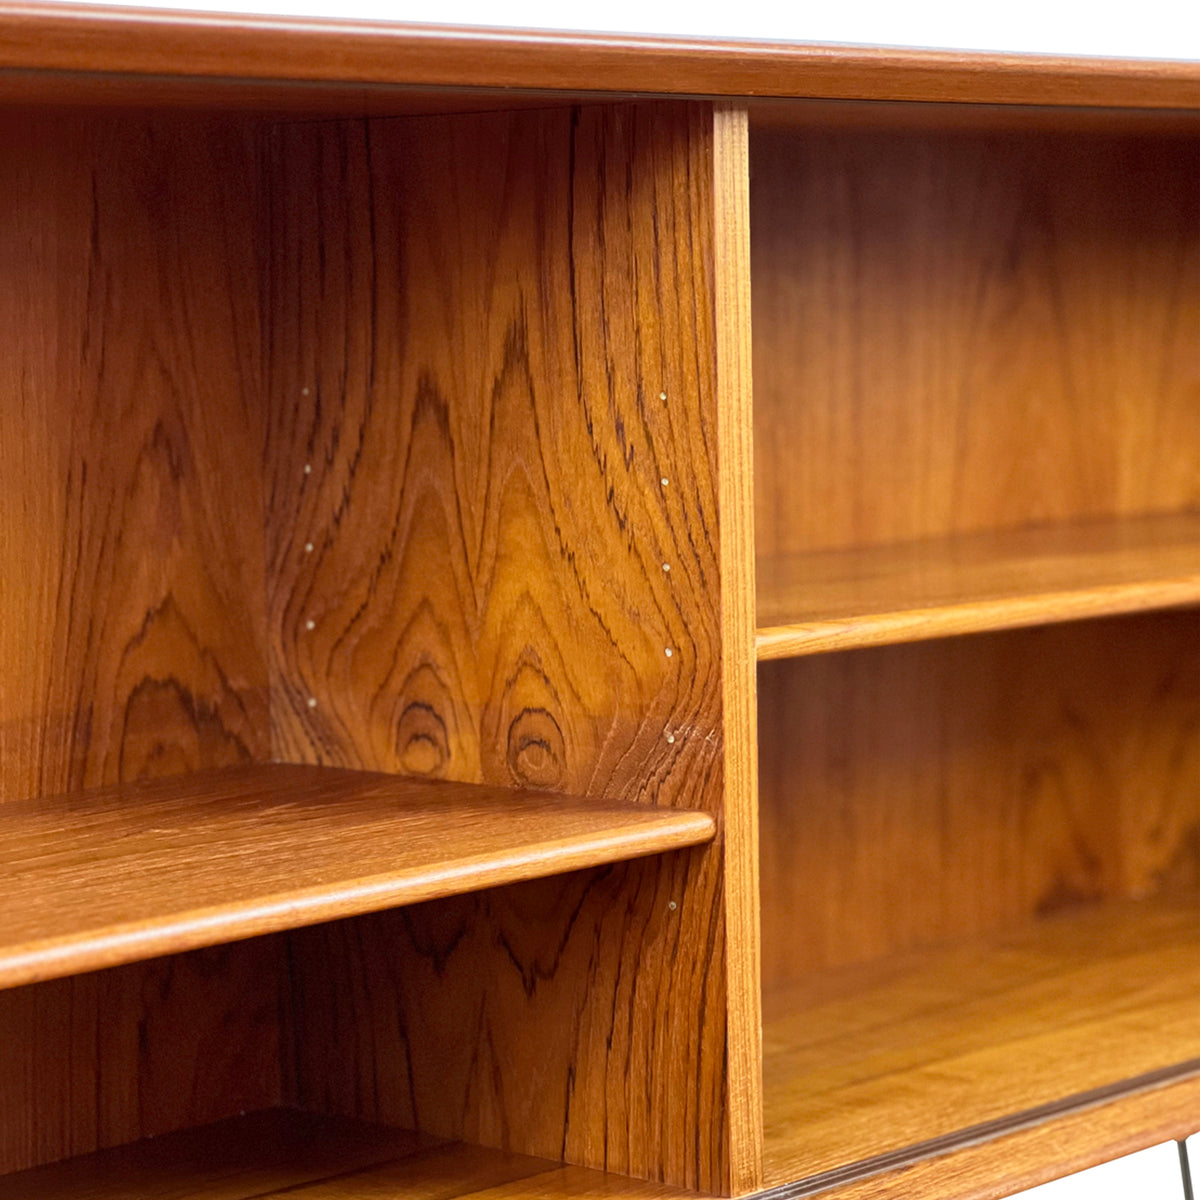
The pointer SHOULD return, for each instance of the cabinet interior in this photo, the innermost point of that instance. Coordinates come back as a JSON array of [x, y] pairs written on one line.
[[387, 447], [975, 403], [312, 456]]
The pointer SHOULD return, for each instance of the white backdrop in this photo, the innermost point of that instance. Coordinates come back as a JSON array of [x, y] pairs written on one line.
[[1123, 28]]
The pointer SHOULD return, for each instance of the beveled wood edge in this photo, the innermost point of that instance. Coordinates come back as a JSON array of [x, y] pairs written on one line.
[[658, 831], [184, 45], [918, 625], [985, 1132]]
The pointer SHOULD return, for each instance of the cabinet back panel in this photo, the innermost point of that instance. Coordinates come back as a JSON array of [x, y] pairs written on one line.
[[130, 513], [101, 1059], [492, 423], [132, 602], [918, 794], [962, 329]]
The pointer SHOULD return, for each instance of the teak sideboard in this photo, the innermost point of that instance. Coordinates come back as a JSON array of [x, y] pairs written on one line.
[[461, 736]]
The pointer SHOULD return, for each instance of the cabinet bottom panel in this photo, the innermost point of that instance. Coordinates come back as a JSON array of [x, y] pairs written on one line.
[[305, 1156], [870, 1068]]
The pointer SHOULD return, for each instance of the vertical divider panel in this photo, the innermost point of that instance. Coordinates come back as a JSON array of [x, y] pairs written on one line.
[[493, 555], [731, 160]]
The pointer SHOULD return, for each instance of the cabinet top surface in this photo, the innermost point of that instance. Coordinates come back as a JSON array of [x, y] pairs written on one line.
[[131, 49]]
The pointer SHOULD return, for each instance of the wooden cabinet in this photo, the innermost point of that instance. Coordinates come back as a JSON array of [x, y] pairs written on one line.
[[557, 644]]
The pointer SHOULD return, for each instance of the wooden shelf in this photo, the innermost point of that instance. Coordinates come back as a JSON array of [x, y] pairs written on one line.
[[124, 873], [841, 599], [899, 1061], [283, 1152]]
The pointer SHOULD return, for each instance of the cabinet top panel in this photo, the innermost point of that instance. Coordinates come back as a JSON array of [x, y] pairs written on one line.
[[76, 53]]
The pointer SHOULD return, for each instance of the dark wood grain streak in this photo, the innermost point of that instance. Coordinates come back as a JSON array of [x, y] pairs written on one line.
[[492, 341], [132, 42], [132, 609]]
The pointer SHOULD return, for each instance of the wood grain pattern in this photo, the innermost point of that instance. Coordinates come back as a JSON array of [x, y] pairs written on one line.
[[1049, 1150], [130, 511], [960, 331], [916, 794], [842, 599], [119, 874], [736, 451], [135, 44], [132, 630], [877, 1058], [283, 1152], [105, 1058], [492, 342]]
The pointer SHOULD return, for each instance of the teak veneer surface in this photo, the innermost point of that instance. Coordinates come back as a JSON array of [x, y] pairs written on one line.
[[492, 340], [126, 45], [877, 1058], [109, 876], [959, 331], [841, 599], [994, 1168], [132, 608], [307, 1156], [916, 794]]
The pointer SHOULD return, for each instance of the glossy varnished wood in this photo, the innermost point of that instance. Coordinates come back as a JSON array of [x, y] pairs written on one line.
[[732, 254], [959, 331], [117, 874], [132, 611], [493, 557], [134, 46], [874, 1059], [130, 510], [284, 1152], [841, 599], [1037, 1151], [914, 794]]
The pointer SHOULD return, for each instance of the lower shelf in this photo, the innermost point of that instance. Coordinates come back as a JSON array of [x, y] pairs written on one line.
[[879, 595], [117, 874], [900, 1061], [303, 1156]]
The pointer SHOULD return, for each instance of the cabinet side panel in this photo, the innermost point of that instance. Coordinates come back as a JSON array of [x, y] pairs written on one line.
[[493, 556], [132, 604], [963, 330]]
